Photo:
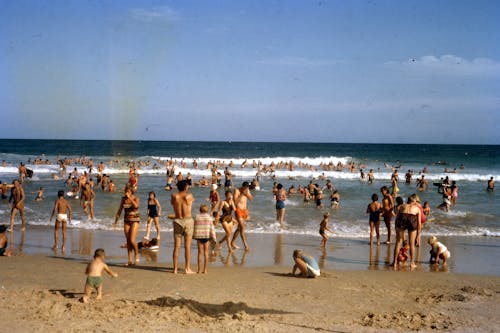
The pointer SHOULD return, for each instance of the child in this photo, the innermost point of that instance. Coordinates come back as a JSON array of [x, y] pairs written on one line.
[[154, 212], [403, 253], [63, 209], [427, 209], [438, 251], [149, 244], [335, 199], [323, 226], [203, 232], [94, 279], [39, 194], [306, 264], [4, 251]]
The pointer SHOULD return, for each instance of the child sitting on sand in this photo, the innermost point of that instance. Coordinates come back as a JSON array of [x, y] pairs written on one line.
[[438, 251], [306, 264], [4, 251], [94, 279], [403, 253], [203, 232], [323, 227]]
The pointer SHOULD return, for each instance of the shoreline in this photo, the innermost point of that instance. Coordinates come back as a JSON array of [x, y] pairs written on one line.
[[470, 255]]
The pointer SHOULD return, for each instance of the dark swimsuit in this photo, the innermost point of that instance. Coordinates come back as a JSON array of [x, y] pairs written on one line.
[[405, 221], [226, 211], [153, 210], [375, 216]]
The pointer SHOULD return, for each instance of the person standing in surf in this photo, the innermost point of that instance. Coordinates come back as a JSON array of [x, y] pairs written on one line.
[[387, 210], [241, 197], [182, 201], [280, 204], [16, 202], [63, 209]]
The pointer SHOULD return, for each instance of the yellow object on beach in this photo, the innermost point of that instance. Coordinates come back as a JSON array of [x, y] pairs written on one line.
[[171, 216]]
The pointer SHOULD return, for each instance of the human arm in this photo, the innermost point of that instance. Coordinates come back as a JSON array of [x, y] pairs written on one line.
[[109, 271], [159, 206], [118, 213]]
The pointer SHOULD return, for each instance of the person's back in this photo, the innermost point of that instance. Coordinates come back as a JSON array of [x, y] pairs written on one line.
[[181, 203]]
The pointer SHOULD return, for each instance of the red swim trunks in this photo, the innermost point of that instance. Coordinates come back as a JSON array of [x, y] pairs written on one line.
[[241, 213]]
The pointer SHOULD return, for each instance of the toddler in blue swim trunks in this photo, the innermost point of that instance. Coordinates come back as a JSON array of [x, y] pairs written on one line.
[[94, 278]]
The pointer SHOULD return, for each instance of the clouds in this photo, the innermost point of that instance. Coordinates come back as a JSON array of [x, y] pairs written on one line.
[[157, 14], [449, 64]]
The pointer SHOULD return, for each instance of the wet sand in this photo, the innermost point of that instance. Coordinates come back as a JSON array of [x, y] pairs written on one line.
[[472, 255]]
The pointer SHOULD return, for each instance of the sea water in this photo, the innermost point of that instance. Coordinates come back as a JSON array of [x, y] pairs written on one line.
[[475, 213]]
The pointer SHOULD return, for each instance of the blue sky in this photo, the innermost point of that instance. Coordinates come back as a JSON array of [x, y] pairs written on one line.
[[300, 71]]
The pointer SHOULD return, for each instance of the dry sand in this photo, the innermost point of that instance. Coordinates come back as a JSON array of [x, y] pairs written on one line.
[[41, 293]]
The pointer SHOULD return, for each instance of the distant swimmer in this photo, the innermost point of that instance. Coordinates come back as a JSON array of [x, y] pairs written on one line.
[[491, 185], [370, 177], [422, 183]]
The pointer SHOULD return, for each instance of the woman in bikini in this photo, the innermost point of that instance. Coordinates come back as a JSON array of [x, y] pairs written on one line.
[[226, 209], [130, 205]]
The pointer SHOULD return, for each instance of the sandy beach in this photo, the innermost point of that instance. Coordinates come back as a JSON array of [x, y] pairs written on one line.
[[40, 291]]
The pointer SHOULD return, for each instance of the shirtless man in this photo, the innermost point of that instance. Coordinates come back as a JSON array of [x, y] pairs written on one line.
[[370, 177], [241, 197], [422, 184], [63, 208], [387, 210], [87, 197], [491, 185], [182, 201], [16, 201], [22, 172]]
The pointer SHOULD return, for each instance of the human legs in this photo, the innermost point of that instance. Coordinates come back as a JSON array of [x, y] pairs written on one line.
[[302, 266], [175, 254], [187, 253], [157, 225], [397, 247], [228, 228], [148, 227], [411, 239], [56, 234], [387, 220], [63, 227], [132, 240]]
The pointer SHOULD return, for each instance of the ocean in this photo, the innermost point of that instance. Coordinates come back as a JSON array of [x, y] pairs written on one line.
[[475, 213]]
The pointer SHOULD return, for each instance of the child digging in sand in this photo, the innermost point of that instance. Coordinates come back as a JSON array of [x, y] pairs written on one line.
[[438, 251], [403, 254], [94, 278]]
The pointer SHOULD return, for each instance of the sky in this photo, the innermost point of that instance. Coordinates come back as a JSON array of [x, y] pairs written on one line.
[[288, 71]]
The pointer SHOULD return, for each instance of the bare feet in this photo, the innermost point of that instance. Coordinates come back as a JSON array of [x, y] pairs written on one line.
[[55, 247], [189, 271], [412, 265]]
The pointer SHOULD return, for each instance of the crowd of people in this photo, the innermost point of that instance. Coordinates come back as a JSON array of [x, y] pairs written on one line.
[[231, 213]]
